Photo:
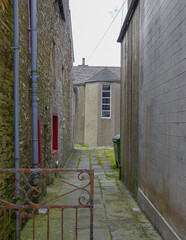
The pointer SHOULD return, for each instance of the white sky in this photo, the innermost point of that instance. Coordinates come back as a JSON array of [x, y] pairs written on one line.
[[90, 20]]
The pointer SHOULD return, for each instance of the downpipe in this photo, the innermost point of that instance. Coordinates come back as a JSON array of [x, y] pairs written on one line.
[[16, 102], [34, 78], [16, 93]]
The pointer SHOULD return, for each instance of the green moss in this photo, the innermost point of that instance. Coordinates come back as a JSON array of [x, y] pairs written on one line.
[[110, 175], [52, 180], [109, 154], [118, 186], [10, 131], [85, 145]]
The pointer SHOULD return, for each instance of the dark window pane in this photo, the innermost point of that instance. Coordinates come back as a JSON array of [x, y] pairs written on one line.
[[106, 114], [106, 87], [105, 107], [55, 132], [105, 94], [106, 100]]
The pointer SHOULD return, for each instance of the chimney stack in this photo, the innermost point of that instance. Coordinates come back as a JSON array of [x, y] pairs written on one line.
[[83, 61]]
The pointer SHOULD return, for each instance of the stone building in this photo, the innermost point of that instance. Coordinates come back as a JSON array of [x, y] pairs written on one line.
[[54, 65], [96, 104], [153, 153]]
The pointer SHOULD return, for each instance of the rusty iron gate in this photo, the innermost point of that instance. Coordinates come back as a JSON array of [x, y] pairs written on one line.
[[28, 204]]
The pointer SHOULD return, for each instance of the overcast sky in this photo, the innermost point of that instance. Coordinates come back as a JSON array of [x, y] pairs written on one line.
[[90, 20]]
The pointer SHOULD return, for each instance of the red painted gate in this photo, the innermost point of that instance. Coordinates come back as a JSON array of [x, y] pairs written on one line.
[[75, 190]]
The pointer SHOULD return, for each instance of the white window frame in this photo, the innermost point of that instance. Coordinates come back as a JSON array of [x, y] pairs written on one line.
[[106, 103]]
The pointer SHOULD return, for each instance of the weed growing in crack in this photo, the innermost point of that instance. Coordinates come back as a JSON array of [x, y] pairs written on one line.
[[99, 182], [79, 160], [90, 160], [71, 155], [110, 235], [100, 160]]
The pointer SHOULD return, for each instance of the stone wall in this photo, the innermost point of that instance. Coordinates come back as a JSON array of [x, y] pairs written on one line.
[[163, 110], [54, 66], [6, 86], [6, 106]]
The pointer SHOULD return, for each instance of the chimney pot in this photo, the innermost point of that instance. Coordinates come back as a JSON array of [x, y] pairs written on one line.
[[83, 61]]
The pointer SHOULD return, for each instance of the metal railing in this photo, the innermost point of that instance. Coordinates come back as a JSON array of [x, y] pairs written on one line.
[[75, 190]]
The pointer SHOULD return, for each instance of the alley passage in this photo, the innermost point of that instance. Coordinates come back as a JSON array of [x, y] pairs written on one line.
[[116, 214]]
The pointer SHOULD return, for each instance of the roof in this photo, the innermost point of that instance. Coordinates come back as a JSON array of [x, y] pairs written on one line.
[[85, 73], [104, 75]]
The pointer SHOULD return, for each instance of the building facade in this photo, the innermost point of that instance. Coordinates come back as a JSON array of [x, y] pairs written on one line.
[[96, 104], [153, 155], [54, 65]]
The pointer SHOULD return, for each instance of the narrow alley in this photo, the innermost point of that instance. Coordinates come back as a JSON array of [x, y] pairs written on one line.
[[72, 82], [116, 214]]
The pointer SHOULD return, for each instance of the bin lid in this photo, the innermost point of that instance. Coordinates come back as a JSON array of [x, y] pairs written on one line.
[[116, 139]]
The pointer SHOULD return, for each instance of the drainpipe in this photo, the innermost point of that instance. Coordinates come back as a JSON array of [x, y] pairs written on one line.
[[34, 84], [16, 100]]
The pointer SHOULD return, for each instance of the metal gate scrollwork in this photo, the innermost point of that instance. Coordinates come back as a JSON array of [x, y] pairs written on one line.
[[27, 202]]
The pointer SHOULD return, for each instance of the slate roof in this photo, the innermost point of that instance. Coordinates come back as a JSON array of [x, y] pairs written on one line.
[[104, 75], [85, 73]]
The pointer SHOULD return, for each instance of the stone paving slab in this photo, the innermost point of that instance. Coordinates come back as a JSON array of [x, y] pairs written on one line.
[[116, 214]]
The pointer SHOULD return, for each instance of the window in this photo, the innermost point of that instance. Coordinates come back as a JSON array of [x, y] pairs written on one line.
[[39, 141], [55, 133], [106, 101]]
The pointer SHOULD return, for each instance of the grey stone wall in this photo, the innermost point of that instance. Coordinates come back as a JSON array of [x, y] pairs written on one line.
[[6, 110], [162, 109], [54, 87], [54, 82]]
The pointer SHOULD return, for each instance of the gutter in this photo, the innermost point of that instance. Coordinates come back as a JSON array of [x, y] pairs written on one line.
[[101, 81], [78, 84], [34, 78], [127, 20]]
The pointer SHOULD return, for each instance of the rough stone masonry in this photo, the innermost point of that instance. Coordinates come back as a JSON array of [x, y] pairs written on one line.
[[54, 63]]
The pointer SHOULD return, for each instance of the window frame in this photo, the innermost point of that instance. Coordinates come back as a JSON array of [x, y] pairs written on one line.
[[54, 133], [110, 104]]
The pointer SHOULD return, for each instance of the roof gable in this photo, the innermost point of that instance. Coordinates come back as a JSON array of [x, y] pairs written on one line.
[[105, 75], [83, 73]]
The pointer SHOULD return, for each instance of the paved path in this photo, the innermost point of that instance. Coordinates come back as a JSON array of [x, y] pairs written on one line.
[[116, 214]]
